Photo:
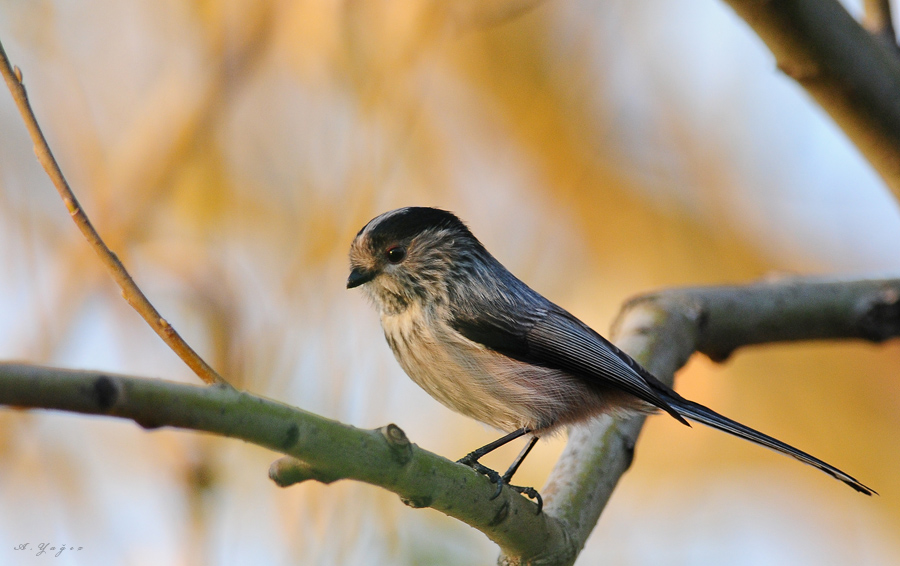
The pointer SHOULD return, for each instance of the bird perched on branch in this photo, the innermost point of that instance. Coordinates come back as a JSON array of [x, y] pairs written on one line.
[[486, 345]]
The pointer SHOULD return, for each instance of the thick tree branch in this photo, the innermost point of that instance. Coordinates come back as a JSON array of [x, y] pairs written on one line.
[[130, 291], [320, 448], [660, 330], [852, 75], [786, 310]]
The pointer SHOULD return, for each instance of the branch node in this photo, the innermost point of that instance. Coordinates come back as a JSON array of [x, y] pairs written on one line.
[[718, 355], [417, 502], [501, 515], [148, 424], [105, 393], [291, 437], [71, 206], [880, 319], [18, 72], [401, 448], [166, 327], [288, 471]]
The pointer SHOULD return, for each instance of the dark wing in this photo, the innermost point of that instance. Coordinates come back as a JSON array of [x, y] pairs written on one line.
[[541, 333], [549, 336]]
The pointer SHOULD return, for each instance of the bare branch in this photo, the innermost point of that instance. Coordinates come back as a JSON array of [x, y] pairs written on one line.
[[320, 448], [851, 75], [130, 291]]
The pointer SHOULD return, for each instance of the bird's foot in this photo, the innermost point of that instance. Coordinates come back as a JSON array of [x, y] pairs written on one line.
[[496, 478], [528, 492]]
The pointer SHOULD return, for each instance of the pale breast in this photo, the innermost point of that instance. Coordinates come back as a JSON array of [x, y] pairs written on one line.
[[483, 384]]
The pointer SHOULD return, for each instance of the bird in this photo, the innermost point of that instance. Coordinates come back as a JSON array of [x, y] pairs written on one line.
[[483, 343]]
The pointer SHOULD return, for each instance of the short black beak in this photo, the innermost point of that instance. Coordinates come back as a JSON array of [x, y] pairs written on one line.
[[359, 276]]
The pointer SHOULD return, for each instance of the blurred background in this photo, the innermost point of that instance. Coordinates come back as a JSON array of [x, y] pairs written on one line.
[[229, 151]]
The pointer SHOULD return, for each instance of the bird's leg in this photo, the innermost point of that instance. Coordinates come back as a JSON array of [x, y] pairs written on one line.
[[518, 461], [526, 491], [473, 456], [471, 460]]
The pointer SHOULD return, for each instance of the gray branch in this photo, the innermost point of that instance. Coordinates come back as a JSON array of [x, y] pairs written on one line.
[[851, 74], [660, 330]]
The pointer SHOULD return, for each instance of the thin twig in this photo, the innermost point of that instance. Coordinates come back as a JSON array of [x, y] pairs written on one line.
[[130, 291]]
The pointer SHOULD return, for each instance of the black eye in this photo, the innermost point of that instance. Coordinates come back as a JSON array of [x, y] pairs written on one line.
[[396, 254]]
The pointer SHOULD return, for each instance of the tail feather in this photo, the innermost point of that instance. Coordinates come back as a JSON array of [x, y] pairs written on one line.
[[704, 415]]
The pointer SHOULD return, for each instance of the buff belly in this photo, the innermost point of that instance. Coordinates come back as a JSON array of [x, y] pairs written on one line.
[[483, 384]]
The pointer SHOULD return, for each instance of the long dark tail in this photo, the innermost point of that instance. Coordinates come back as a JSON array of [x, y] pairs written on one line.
[[701, 414]]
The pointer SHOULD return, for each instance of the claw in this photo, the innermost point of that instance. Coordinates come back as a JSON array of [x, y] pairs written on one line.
[[496, 478], [485, 471], [471, 460], [531, 493], [499, 490]]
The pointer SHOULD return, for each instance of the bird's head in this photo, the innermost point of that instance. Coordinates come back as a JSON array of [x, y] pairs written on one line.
[[410, 255]]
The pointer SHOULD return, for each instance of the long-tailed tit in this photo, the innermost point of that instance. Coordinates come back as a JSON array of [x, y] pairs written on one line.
[[486, 345]]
